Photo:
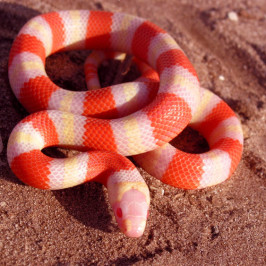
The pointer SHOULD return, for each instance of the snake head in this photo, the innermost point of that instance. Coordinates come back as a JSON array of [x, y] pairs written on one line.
[[129, 197], [131, 213]]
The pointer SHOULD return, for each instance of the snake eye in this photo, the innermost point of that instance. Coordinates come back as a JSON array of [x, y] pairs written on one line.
[[119, 213]]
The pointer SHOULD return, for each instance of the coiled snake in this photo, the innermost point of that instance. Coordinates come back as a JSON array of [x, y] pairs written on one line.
[[136, 118]]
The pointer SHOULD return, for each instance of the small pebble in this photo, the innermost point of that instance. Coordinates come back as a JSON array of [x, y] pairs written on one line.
[[221, 77], [2, 204], [233, 16], [177, 196], [153, 188]]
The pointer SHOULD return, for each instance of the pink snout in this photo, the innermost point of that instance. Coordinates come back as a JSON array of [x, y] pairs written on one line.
[[131, 213]]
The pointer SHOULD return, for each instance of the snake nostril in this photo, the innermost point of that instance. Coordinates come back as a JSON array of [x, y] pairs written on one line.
[[119, 213]]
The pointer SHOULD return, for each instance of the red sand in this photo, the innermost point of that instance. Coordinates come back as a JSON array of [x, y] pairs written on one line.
[[222, 225]]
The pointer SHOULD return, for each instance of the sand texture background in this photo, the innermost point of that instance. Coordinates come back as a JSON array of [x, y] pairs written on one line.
[[221, 225]]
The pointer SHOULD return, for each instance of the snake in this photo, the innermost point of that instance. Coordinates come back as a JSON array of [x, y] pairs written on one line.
[[106, 125]]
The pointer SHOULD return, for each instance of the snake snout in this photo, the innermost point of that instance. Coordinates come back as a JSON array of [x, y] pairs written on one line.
[[134, 227], [131, 213]]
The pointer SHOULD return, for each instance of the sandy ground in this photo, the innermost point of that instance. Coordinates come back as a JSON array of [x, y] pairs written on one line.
[[222, 225]]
